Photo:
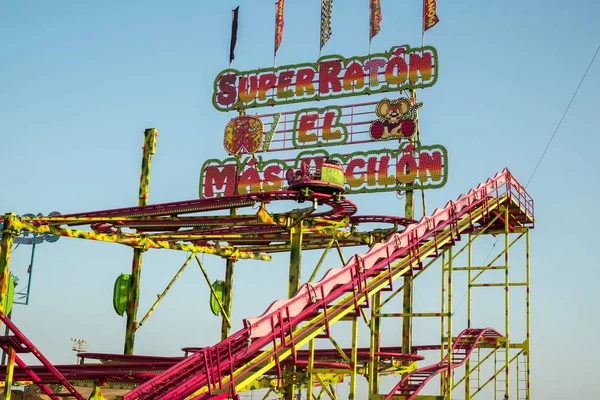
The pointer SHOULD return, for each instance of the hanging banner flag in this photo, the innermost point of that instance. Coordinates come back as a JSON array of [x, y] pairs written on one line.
[[234, 28], [278, 23], [326, 8], [430, 18], [375, 17]]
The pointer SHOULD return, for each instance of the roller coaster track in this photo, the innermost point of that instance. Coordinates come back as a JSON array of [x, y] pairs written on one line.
[[253, 235], [133, 370], [462, 348], [217, 372], [339, 207], [18, 343]]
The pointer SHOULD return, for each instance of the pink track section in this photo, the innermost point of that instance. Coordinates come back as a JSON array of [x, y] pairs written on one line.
[[339, 209], [462, 348], [23, 345], [210, 366]]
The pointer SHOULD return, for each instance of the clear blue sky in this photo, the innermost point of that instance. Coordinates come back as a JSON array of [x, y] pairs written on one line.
[[80, 81]]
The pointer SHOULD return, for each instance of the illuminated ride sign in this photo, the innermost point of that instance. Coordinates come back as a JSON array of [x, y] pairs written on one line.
[[406, 166], [382, 170], [331, 77]]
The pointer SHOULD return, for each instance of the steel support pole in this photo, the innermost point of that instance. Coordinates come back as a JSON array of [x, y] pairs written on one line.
[[228, 290], [8, 236], [449, 375], [10, 368], [407, 294], [469, 305], [295, 258], [296, 231], [479, 367], [506, 305], [354, 359], [375, 326], [227, 297], [494, 377], [309, 369], [443, 322], [527, 315], [133, 297], [6, 333]]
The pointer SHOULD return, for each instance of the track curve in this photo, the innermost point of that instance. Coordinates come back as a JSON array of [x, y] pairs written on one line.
[[462, 348]]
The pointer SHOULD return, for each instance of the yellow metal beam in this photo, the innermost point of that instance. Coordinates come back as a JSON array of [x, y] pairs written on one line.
[[493, 378], [505, 266], [354, 361], [10, 367], [374, 344], [507, 302], [498, 284], [397, 291], [339, 349], [475, 368], [527, 318], [309, 369], [469, 267], [479, 268], [413, 315], [212, 290], [501, 231], [140, 241]]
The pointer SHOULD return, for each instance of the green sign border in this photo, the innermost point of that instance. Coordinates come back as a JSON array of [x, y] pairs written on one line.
[[346, 61], [262, 164]]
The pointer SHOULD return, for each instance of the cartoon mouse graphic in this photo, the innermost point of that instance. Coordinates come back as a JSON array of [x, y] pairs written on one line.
[[396, 119]]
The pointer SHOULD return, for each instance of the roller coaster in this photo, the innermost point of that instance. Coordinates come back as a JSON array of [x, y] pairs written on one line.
[[252, 207], [268, 352]]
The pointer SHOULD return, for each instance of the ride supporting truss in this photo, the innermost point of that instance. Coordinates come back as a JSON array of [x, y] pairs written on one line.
[[292, 345], [505, 278], [271, 343], [497, 367]]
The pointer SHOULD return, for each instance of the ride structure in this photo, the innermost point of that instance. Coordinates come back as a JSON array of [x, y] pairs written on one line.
[[294, 346], [259, 355]]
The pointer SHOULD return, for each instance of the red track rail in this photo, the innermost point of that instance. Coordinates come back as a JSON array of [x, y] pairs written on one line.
[[135, 370], [339, 208], [172, 222], [209, 367], [21, 344], [462, 348]]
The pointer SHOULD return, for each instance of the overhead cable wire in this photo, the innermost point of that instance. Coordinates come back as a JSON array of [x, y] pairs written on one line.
[[562, 118], [545, 150]]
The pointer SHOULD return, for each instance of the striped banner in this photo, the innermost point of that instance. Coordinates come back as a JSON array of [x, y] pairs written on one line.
[[326, 8], [430, 18], [278, 24], [375, 17]]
